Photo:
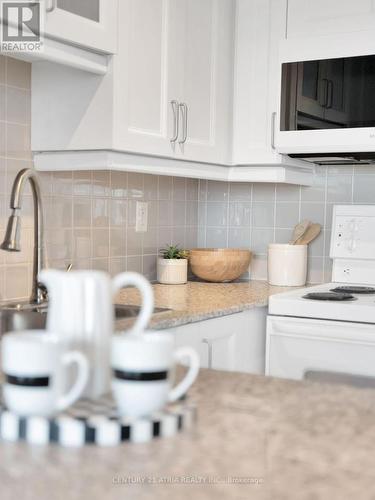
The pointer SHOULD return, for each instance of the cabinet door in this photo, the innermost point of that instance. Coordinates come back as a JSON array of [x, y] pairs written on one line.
[[207, 34], [235, 342], [90, 23], [222, 351], [327, 17], [147, 78], [260, 26]]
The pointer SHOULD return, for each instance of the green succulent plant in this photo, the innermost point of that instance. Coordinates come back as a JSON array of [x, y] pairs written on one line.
[[173, 252]]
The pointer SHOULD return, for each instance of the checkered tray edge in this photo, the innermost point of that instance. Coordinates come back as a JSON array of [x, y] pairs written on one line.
[[95, 423]]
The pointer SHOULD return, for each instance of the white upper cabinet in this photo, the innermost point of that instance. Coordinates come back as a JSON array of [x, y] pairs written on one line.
[[86, 23], [206, 41], [81, 34], [260, 26], [307, 18], [172, 78], [167, 92], [146, 77]]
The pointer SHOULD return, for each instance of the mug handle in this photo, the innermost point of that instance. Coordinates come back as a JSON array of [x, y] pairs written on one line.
[[179, 355], [147, 308], [82, 378]]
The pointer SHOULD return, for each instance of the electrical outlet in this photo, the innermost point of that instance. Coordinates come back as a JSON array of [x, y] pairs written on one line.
[[141, 217]]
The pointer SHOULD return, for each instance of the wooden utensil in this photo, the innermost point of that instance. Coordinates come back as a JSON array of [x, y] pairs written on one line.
[[309, 235], [299, 231]]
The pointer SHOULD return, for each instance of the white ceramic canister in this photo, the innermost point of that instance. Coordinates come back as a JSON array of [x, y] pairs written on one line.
[[287, 264]]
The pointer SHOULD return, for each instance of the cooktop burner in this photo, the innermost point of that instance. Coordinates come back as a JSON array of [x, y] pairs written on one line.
[[329, 296], [354, 289]]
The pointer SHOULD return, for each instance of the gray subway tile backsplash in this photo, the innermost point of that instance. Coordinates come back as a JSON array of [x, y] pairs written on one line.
[[275, 209]]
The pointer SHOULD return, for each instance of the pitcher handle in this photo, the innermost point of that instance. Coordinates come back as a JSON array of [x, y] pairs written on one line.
[[147, 308]]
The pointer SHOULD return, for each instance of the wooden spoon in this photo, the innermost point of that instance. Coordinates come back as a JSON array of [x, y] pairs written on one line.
[[299, 231], [310, 234]]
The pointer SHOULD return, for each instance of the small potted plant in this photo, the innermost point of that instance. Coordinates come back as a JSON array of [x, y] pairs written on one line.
[[172, 265]]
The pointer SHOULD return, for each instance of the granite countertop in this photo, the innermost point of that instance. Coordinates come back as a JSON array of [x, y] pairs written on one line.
[[197, 301], [283, 439]]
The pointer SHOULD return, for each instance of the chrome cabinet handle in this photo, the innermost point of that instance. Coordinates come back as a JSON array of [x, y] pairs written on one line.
[[176, 108], [209, 347], [273, 125], [52, 7], [184, 113]]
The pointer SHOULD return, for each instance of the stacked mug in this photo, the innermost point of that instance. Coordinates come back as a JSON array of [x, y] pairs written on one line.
[[137, 365]]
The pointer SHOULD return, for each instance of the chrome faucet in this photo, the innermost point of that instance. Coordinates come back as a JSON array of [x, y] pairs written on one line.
[[11, 241]]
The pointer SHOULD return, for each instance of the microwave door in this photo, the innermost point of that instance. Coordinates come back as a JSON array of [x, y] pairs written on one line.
[[328, 106]]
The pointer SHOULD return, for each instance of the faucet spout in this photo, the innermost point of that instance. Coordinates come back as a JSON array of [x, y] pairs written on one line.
[[11, 241]]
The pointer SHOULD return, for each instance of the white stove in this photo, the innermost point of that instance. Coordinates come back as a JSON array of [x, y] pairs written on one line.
[[330, 327], [360, 308]]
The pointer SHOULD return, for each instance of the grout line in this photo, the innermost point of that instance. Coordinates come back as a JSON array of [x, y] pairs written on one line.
[[206, 210], [228, 213], [353, 180], [251, 214], [325, 224], [274, 213]]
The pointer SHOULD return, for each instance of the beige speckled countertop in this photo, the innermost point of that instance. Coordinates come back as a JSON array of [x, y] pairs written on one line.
[[298, 440], [197, 301]]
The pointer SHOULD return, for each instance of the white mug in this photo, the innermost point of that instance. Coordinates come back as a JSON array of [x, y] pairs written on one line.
[[141, 368], [35, 365]]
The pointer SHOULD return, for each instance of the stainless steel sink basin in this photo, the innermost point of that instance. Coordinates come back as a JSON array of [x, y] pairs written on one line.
[[28, 317]]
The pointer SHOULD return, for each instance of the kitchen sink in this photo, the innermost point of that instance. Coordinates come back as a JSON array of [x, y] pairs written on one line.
[[31, 317]]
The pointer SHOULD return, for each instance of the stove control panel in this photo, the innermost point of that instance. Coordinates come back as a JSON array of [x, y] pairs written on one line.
[[353, 232]]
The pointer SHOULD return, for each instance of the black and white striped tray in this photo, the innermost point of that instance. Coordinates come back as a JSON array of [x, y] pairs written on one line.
[[95, 422]]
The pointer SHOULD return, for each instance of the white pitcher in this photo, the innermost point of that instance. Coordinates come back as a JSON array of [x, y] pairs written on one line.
[[81, 311]]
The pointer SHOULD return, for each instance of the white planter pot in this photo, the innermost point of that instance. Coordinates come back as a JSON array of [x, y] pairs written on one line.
[[172, 271]]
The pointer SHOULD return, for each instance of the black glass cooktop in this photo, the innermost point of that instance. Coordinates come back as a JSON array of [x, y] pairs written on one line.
[[334, 296], [354, 289]]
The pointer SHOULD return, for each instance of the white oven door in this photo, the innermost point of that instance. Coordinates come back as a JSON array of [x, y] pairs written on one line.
[[297, 345]]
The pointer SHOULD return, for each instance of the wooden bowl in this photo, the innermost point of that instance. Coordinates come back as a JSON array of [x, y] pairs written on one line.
[[219, 264]]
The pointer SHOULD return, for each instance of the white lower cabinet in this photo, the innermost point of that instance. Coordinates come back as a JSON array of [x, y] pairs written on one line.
[[233, 343]]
